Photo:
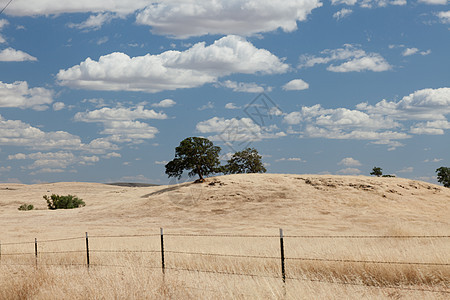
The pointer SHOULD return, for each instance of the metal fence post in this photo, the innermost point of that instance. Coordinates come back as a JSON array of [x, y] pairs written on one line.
[[283, 270], [162, 251], [35, 251], [87, 250]]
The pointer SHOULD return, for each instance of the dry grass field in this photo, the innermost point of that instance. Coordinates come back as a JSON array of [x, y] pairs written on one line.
[[221, 240]]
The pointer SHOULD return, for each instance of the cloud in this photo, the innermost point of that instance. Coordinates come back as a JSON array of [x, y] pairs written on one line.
[[164, 103], [10, 54], [296, 85], [431, 127], [242, 86], [370, 3], [102, 40], [349, 161], [343, 13], [349, 171], [120, 123], [107, 114], [355, 60], [163, 162], [3, 23], [18, 133], [56, 7], [94, 22], [433, 160], [5, 169], [231, 106], [444, 16], [53, 162], [209, 105], [112, 155], [425, 104], [434, 2], [58, 106], [184, 19], [412, 51], [406, 170], [296, 159], [346, 2], [18, 94], [343, 123], [383, 123], [237, 130], [172, 69]]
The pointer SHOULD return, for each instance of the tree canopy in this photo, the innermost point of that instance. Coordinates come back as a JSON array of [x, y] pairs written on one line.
[[245, 161], [443, 176], [194, 154], [376, 171]]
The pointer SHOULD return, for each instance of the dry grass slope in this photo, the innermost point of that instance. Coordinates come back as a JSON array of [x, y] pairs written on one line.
[[256, 204]]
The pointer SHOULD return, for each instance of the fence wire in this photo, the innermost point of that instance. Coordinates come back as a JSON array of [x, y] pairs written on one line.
[[227, 273]]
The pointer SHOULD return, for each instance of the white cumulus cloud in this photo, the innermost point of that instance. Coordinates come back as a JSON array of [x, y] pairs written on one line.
[[349, 161], [18, 94], [384, 123], [120, 123], [425, 104], [164, 103], [237, 130], [296, 85], [10, 54], [183, 19], [444, 16], [172, 70]]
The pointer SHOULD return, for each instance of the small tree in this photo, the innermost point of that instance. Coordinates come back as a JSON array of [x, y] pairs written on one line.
[[245, 161], [194, 154], [443, 176], [376, 171]]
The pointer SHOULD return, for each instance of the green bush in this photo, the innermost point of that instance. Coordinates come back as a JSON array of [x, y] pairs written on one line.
[[26, 207], [64, 202]]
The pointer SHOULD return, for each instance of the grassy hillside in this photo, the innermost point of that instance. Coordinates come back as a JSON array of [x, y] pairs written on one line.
[[250, 204]]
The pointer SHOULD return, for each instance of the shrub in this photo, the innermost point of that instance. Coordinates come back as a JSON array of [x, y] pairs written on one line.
[[26, 207], [64, 202]]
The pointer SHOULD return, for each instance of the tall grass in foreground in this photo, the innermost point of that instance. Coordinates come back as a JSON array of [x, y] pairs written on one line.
[[134, 271]]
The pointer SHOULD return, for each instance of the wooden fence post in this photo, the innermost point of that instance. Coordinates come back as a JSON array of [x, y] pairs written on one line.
[[283, 270], [162, 251], [87, 250]]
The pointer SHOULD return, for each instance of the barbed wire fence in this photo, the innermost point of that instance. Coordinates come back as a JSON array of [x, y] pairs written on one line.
[[163, 266]]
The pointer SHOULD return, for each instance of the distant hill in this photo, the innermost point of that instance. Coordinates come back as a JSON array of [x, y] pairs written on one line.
[[245, 203], [132, 184]]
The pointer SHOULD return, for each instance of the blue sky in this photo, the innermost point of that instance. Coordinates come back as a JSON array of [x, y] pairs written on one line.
[[103, 91]]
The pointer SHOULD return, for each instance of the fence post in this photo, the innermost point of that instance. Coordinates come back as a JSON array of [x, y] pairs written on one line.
[[87, 250], [283, 270], [36, 251], [162, 251]]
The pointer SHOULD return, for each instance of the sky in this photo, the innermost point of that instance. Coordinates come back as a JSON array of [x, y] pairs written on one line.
[[103, 91]]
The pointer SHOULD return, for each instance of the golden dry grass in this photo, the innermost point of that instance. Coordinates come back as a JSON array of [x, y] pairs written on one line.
[[256, 204]]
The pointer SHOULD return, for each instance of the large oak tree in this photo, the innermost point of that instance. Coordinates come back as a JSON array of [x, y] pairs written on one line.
[[197, 155]]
